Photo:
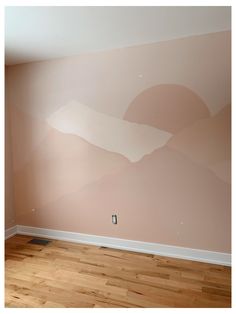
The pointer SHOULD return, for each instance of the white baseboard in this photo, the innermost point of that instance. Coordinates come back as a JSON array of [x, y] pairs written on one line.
[[130, 245], [10, 232]]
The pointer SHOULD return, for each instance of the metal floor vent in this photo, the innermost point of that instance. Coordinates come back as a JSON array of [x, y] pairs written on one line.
[[39, 241]]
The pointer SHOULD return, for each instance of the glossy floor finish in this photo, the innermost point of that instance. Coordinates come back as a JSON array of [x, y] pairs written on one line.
[[64, 274]]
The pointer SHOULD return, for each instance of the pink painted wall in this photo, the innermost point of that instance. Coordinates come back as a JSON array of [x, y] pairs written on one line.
[[170, 101], [9, 195]]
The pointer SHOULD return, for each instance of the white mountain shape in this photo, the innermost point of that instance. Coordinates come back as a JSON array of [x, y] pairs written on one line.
[[129, 139]]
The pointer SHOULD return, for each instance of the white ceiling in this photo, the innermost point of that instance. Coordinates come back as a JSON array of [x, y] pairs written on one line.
[[40, 33]]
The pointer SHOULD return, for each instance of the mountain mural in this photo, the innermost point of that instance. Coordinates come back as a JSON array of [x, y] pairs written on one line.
[[142, 132]]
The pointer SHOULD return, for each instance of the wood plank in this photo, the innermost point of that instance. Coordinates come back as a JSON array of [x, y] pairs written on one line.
[[64, 274]]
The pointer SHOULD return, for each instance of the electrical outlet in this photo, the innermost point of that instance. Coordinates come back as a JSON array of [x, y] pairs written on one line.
[[114, 219]]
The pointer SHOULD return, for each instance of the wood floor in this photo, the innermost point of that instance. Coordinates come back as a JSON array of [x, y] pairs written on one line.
[[64, 274]]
